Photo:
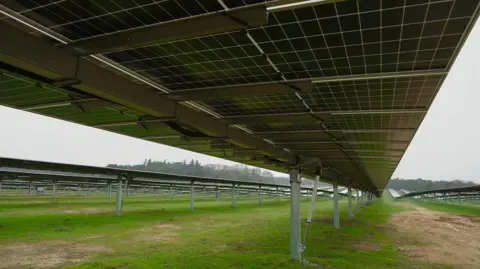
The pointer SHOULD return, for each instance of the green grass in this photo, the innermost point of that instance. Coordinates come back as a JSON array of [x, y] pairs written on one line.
[[214, 236], [467, 207]]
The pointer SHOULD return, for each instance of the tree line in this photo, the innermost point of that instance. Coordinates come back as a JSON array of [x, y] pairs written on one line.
[[420, 184], [195, 168]]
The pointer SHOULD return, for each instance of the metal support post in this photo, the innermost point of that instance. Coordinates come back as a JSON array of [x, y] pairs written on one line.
[[54, 188], [119, 196], [318, 171], [459, 199], [109, 191], [295, 228], [357, 200], [350, 209], [204, 192], [216, 193], [278, 195], [126, 187], [171, 192], [234, 198], [30, 188], [259, 194], [336, 216], [192, 193], [0, 185]]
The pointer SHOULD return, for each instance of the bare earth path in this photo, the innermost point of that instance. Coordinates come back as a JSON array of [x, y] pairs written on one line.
[[438, 237]]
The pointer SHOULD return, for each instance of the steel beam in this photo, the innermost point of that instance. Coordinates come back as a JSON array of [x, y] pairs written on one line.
[[337, 130], [278, 118], [295, 228], [20, 50], [252, 89], [119, 201], [386, 75], [379, 112], [338, 141], [109, 191], [357, 200], [336, 213], [192, 193], [54, 188], [312, 203], [350, 209], [259, 194], [200, 25], [234, 196]]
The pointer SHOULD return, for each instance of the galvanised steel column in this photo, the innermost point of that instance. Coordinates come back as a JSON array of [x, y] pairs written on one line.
[[278, 195], [234, 198], [0, 185], [109, 191], [54, 188], [357, 200], [350, 209], [295, 228], [336, 216], [216, 193], [204, 192], [119, 196], [318, 171], [459, 199], [259, 194], [192, 193], [171, 192], [30, 188]]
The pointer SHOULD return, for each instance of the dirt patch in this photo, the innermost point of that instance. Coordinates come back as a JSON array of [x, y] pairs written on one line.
[[440, 237], [94, 236], [35, 202], [160, 237], [87, 210], [219, 248], [368, 246], [164, 232], [46, 254]]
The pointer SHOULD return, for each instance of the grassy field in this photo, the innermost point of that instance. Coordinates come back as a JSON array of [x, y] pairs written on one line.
[[468, 207], [156, 233]]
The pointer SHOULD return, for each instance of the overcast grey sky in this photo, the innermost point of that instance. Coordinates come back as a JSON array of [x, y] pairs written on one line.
[[444, 148]]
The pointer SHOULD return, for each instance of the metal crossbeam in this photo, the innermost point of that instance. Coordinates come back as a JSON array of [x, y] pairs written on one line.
[[253, 89], [21, 48], [386, 75], [210, 23], [278, 118]]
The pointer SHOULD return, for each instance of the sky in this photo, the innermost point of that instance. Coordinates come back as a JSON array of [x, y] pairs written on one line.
[[444, 147]]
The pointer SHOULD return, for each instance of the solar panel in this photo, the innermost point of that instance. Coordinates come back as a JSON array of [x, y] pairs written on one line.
[[348, 82]]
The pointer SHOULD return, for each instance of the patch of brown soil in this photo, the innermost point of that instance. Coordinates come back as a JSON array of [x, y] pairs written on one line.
[[87, 210], [46, 254], [164, 232], [160, 237], [94, 236], [441, 237], [368, 246], [34, 202]]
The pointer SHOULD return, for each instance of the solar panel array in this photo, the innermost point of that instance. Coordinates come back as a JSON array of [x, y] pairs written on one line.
[[348, 82]]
